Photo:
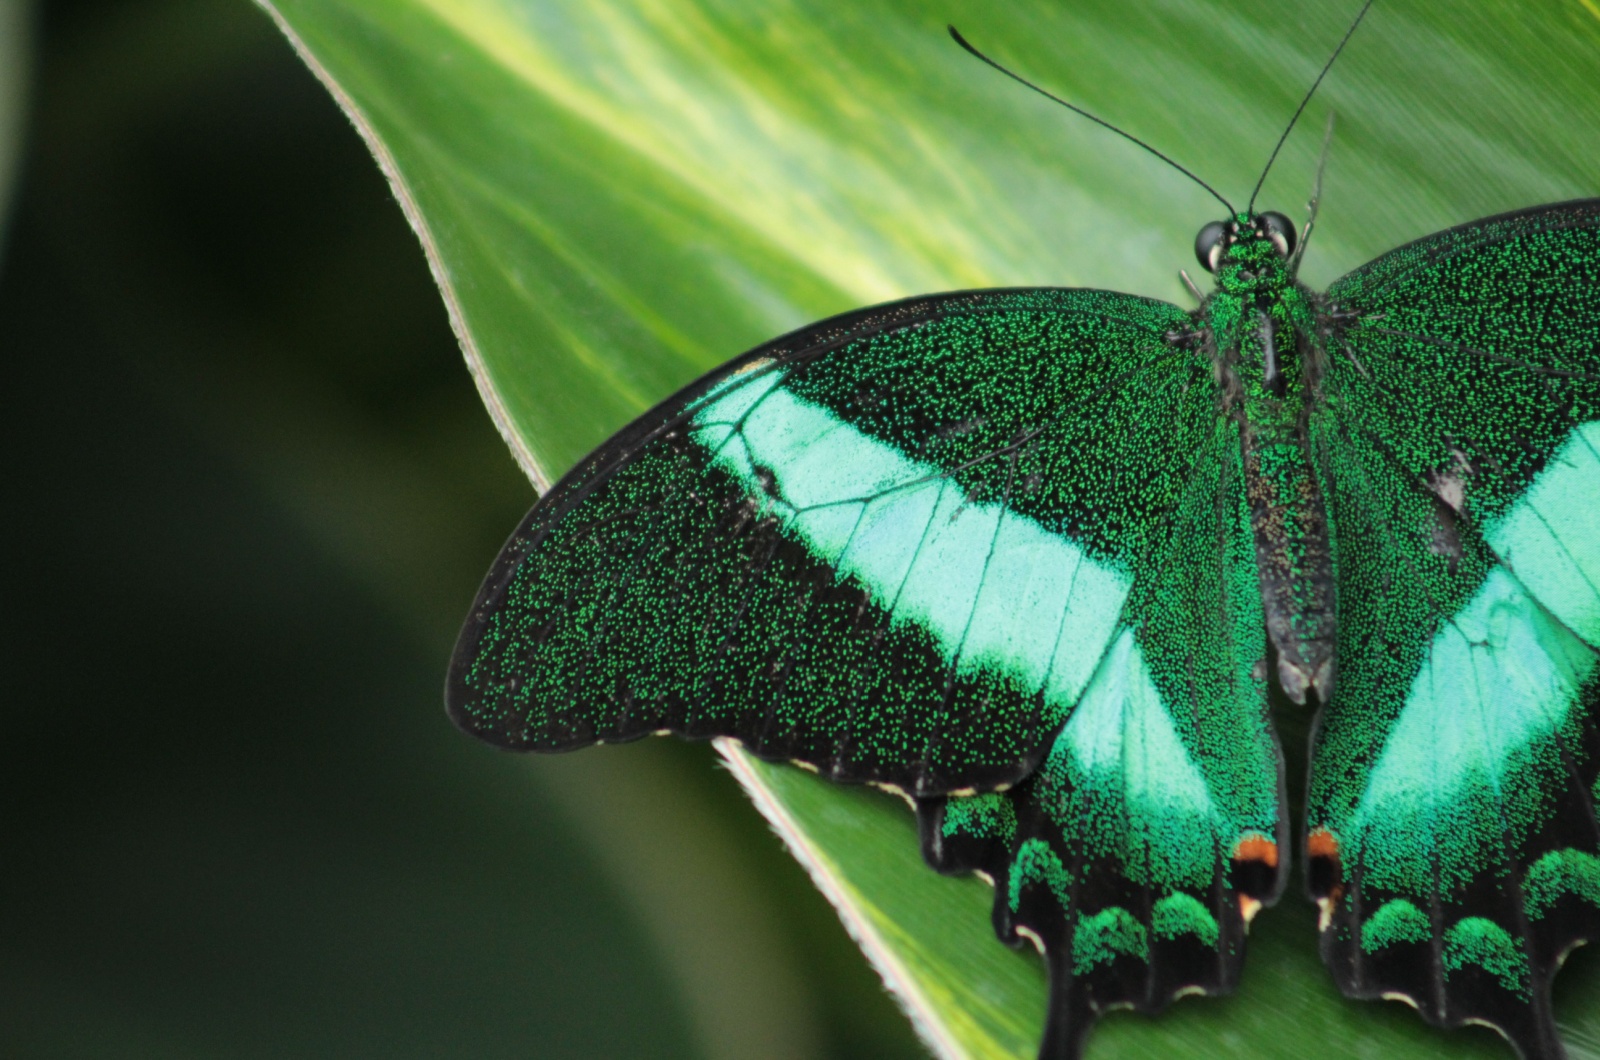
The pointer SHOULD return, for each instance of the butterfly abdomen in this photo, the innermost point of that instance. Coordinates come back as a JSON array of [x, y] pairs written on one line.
[[1293, 560]]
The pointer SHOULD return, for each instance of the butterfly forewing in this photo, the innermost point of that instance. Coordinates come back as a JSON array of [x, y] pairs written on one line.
[[1451, 821], [892, 546]]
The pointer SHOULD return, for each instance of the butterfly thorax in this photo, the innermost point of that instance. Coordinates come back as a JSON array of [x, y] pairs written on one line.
[[1260, 330]]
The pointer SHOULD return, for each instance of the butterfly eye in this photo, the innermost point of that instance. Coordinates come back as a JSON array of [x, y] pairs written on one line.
[[1209, 243], [1279, 229]]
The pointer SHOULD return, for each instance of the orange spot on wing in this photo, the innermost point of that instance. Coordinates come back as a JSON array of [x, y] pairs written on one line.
[[1256, 847], [1322, 844]]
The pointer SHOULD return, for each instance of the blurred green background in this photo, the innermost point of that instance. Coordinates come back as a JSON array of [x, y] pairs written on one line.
[[249, 492]]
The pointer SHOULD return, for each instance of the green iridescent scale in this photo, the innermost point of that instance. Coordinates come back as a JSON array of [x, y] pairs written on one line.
[[1032, 557]]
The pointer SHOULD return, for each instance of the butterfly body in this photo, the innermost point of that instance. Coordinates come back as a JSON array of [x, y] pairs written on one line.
[[1265, 332]]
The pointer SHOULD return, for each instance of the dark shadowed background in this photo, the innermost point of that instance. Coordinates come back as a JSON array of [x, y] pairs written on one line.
[[249, 491]]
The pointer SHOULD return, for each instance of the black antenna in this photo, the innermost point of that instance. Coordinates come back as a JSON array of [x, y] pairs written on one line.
[[959, 39], [1299, 110]]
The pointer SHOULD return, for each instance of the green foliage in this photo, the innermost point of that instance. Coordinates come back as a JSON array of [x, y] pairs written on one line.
[[617, 196]]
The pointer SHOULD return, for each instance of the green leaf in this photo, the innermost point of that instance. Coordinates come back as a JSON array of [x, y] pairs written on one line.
[[616, 196]]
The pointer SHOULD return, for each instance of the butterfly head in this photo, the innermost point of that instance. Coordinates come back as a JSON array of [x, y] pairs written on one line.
[[1249, 253]]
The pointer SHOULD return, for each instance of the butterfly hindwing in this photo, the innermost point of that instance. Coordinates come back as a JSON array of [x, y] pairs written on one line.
[[1451, 821], [1136, 854], [893, 545]]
